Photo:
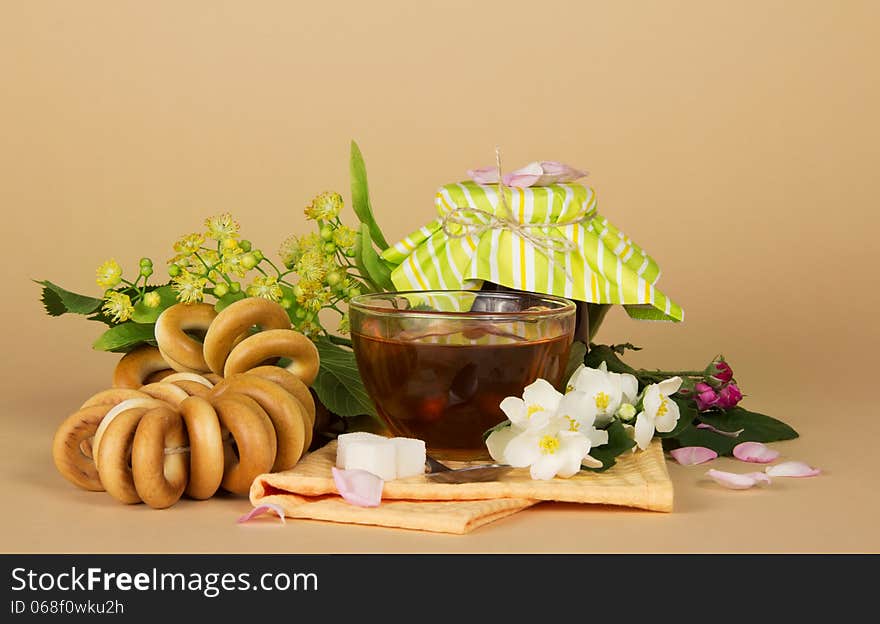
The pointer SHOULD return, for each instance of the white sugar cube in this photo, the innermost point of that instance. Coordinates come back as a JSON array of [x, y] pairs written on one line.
[[410, 457], [343, 440], [378, 456]]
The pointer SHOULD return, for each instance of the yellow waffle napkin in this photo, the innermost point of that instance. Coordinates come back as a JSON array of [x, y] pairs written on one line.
[[308, 491]]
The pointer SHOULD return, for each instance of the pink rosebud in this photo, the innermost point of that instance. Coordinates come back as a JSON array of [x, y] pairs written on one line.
[[729, 396], [706, 397], [723, 372]]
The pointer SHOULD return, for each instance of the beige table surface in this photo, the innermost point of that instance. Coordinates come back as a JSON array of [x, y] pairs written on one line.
[[836, 512]]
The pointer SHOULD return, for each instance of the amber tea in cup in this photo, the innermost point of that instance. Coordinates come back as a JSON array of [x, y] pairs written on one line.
[[437, 364]]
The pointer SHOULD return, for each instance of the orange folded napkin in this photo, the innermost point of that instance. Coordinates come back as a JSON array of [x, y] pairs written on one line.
[[308, 491]]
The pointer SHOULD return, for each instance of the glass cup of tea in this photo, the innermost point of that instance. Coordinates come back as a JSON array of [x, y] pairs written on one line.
[[437, 364]]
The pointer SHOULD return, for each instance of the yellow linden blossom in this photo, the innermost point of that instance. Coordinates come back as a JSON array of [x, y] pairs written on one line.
[[306, 289], [265, 286], [290, 251], [190, 288], [117, 306], [344, 237], [231, 261], [317, 300], [548, 444], [312, 266], [152, 300], [109, 274], [222, 227], [189, 244], [325, 206]]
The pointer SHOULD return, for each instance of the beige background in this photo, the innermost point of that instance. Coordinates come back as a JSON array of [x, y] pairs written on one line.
[[737, 141]]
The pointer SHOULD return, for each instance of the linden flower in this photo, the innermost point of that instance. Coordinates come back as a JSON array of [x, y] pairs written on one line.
[[109, 274], [325, 206], [232, 261], [117, 306], [608, 391], [189, 244], [290, 251], [190, 288], [549, 451], [152, 300], [312, 266], [344, 237], [659, 412], [222, 227], [265, 286]]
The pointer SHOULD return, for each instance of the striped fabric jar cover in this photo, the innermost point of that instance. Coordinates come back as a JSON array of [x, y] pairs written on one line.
[[605, 266]]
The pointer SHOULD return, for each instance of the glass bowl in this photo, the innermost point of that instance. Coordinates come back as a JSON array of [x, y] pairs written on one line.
[[437, 364]]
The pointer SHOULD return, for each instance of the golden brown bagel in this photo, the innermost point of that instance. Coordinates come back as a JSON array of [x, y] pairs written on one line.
[[136, 366], [287, 415], [113, 397], [160, 475], [275, 343], [159, 375], [114, 453], [116, 410], [252, 441], [68, 446], [206, 459], [164, 391], [234, 321], [291, 383], [182, 352]]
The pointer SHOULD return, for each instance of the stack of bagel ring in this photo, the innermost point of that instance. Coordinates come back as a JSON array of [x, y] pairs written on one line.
[[193, 417]]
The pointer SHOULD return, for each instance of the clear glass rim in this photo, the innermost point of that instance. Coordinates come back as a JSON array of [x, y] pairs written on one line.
[[564, 307]]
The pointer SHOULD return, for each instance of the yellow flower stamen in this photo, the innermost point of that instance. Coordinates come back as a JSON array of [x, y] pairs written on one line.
[[533, 409], [109, 274], [602, 401], [549, 444], [664, 406], [569, 388], [573, 425]]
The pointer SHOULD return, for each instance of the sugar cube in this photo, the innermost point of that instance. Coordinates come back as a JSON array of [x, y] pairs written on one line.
[[343, 440], [410, 457], [373, 455]]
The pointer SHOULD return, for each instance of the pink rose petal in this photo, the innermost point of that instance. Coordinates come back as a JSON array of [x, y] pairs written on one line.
[[484, 175], [527, 176], [759, 477], [734, 481], [755, 452], [260, 510], [729, 434], [358, 487], [560, 172], [792, 469], [693, 455]]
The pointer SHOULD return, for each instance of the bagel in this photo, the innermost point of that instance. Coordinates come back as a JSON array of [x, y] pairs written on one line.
[[159, 375], [191, 383], [114, 454], [165, 391], [136, 366], [206, 456], [291, 383], [252, 441], [182, 352], [113, 412], [275, 343], [160, 476], [68, 447], [287, 415], [113, 397], [233, 322], [213, 378]]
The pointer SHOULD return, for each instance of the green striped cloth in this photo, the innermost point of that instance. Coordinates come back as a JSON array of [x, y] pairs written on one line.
[[605, 266]]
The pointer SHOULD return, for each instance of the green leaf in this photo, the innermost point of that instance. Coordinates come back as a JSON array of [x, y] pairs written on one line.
[[575, 359], [498, 427], [339, 385], [125, 337], [619, 442], [604, 353], [377, 271], [228, 299], [144, 314], [59, 301], [756, 428], [360, 196]]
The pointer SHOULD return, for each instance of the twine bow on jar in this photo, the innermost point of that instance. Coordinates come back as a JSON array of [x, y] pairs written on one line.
[[472, 221]]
